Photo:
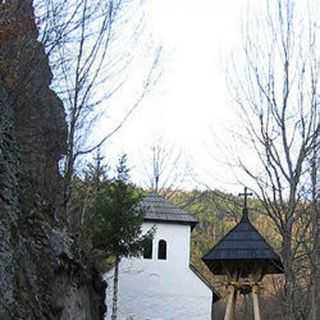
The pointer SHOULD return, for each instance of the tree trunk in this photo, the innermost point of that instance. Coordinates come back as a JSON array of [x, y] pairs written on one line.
[[314, 314], [115, 290], [289, 292], [315, 229]]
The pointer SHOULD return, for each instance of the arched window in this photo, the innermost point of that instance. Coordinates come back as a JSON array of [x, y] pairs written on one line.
[[147, 249], [162, 250]]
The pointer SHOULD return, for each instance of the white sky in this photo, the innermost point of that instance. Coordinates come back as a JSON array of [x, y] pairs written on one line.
[[190, 107]]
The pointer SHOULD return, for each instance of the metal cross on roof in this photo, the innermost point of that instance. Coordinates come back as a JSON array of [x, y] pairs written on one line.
[[245, 194]]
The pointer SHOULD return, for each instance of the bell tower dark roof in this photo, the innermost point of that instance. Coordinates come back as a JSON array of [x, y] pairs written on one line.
[[244, 250]]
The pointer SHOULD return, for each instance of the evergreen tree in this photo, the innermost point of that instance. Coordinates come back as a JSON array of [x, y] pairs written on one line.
[[96, 172], [118, 222], [85, 197]]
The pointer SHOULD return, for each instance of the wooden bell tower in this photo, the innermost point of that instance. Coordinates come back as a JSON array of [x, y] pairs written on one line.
[[244, 257]]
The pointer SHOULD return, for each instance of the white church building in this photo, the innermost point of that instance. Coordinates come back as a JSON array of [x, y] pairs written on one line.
[[162, 285]]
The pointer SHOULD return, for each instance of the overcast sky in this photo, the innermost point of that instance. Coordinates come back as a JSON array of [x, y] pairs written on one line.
[[190, 107]]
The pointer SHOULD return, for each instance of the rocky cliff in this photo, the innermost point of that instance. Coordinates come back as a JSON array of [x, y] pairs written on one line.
[[43, 274]]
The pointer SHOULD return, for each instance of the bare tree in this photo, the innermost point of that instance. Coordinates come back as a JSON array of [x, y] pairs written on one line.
[[166, 169], [83, 40], [311, 238], [276, 87]]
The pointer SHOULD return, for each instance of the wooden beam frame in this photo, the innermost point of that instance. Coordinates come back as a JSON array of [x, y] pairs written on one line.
[[256, 308], [230, 310]]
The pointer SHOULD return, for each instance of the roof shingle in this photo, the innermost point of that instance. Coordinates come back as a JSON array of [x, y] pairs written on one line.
[[159, 209], [243, 247]]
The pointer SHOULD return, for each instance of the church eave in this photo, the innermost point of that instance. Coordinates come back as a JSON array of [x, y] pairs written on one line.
[[171, 221]]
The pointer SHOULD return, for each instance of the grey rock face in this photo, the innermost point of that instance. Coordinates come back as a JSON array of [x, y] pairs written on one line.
[[43, 273], [8, 207]]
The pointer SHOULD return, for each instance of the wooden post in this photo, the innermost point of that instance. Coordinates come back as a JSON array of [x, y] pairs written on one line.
[[235, 294], [256, 310], [229, 310]]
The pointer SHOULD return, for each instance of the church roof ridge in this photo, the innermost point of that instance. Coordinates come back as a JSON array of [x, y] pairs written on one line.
[[161, 210]]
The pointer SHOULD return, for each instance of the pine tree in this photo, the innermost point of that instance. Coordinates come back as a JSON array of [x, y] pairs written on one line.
[[96, 172], [85, 189], [118, 222]]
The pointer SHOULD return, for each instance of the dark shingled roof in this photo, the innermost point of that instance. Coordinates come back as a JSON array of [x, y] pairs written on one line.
[[160, 210], [243, 248]]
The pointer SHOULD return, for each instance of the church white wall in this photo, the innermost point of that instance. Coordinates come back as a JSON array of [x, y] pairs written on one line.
[[161, 289]]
